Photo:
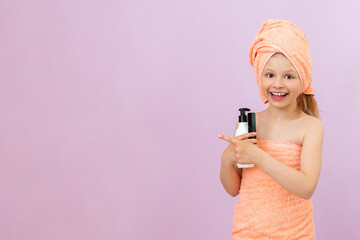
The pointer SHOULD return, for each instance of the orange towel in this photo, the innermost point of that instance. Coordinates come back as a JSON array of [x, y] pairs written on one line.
[[266, 210], [285, 37]]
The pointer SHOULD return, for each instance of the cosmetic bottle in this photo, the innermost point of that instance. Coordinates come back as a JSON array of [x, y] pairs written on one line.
[[242, 129], [252, 123]]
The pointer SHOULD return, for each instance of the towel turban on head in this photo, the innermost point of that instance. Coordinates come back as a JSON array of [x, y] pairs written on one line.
[[282, 36]]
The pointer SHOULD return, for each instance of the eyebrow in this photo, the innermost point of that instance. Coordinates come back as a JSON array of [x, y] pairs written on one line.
[[269, 69]]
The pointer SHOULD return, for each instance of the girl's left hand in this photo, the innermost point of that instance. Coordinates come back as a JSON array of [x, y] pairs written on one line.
[[245, 149]]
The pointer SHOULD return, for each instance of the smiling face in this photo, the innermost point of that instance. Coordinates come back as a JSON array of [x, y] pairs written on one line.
[[280, 82]]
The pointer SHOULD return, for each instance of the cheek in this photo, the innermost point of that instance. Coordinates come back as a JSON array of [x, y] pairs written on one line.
[[295, 87], [264, 84]]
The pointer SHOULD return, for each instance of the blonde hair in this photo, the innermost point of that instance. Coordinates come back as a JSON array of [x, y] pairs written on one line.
[[307, 104]]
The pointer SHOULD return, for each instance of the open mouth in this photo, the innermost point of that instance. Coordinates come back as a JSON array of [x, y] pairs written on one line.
[[278, 94]]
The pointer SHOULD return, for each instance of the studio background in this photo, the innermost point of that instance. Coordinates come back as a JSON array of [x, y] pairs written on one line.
[[110, 112]]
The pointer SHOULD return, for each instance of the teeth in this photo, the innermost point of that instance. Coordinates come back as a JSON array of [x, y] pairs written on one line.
[[279, 94]]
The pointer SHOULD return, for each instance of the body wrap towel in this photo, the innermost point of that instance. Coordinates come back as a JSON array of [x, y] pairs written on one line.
[[281, 36]]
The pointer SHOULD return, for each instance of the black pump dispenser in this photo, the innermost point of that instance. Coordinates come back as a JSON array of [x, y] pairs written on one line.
[[243, 117]]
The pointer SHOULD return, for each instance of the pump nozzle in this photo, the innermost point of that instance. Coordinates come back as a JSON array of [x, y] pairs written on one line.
[[242, 117]]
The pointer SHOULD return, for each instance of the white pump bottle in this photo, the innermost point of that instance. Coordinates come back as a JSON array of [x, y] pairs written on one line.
[[242, 129]]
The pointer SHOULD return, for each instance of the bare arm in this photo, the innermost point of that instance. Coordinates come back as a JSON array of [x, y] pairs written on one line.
[[230, 175], [301, 183]]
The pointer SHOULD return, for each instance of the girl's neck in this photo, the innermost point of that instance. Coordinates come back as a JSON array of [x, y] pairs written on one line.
[[283, 114]]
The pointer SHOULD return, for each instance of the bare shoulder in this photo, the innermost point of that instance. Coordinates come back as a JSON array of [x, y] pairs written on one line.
[[260, 114], [313, 129], [260, 118], [313, 123]]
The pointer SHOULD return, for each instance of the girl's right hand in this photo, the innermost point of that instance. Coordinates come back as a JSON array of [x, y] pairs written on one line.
[[237, 149]]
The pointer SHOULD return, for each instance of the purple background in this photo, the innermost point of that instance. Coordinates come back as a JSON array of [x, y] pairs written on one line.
[[110, 112]]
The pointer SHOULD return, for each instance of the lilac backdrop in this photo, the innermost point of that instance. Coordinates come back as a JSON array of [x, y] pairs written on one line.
[[110, 112]]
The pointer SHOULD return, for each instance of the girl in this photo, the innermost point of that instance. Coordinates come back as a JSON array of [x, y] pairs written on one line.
[[274, 195]]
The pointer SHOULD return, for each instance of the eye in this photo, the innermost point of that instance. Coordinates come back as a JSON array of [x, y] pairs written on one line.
[[267, 75], [291, 77]]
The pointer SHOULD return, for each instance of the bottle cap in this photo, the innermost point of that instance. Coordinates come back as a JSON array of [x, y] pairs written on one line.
[[251, 120], [252, 123]]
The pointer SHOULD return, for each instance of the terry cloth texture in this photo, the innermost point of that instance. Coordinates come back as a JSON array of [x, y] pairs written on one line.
[[285, 37], [266, 210]]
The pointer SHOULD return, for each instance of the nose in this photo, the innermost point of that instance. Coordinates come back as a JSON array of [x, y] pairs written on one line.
[[278, 83]]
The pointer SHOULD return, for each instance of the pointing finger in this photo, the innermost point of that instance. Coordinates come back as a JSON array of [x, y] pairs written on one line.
[[226, 138], [246, 135]]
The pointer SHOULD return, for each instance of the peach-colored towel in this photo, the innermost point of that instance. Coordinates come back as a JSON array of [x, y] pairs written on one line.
[[266, 210], [285, 37]]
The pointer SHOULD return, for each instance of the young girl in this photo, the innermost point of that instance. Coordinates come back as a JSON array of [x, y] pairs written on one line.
[[274, 195]]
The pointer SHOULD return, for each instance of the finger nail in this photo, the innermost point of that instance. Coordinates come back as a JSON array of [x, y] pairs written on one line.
[[219, 135]]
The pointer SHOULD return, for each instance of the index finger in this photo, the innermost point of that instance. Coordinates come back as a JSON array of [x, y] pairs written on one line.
[[226, 138], [246, 135]]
